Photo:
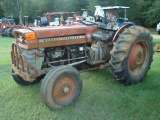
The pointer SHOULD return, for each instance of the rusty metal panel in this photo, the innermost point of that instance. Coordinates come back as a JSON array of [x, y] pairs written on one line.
[[120, 31], [31, 44], [23, 31], [56, 31]]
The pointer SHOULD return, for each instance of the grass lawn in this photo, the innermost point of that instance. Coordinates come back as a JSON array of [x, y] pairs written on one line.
[[102, 98]]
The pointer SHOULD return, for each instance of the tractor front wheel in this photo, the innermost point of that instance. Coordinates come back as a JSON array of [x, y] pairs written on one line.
[[61, 87], [131, 55]]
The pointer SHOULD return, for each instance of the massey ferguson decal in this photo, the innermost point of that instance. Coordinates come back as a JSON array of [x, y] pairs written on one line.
[[61, 38]]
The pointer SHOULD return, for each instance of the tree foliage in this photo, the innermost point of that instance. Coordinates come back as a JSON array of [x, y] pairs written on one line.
[[143, 12]]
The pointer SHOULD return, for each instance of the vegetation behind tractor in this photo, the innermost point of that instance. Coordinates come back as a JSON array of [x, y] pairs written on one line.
[[59, 53]]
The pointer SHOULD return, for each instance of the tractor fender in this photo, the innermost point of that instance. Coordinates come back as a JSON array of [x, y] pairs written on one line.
[[120, 31]]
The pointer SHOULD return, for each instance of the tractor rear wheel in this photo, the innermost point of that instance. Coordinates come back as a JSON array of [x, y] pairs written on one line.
[[12, 32], [131, 55], [19, 80], [2, 31], [9, 32], [61, 87]]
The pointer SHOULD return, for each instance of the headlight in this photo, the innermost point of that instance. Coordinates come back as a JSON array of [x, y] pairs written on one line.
[[21, 38]]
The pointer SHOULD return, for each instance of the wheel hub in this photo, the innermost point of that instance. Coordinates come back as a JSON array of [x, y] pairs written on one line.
[[66, 89], [139, 58], [136, 57]]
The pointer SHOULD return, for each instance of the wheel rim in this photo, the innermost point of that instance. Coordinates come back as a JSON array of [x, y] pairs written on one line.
[[64, 90], [138, 58]]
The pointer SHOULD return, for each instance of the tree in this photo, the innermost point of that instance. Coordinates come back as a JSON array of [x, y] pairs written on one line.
[[152, 13], [7, 7], [1, 13], [93, 3], [19, 6], [142, 12]]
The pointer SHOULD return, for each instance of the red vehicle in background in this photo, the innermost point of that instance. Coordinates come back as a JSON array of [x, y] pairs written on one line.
[[8, 26]]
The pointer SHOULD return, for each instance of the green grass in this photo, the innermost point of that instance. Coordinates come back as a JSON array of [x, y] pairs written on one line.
[[102, 98]]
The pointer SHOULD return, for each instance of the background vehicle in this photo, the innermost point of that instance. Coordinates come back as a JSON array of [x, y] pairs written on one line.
[[8, 26], [5, 24], [158, 28], [42, 21], [58, 20], [91, 19], [1, 26], [58, 54]]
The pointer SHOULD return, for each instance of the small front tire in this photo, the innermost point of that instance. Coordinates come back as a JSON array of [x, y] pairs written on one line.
[[61, 87]]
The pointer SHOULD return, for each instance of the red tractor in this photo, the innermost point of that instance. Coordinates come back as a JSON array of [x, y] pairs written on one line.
[[6, 23], [58, 54], [8, 26]]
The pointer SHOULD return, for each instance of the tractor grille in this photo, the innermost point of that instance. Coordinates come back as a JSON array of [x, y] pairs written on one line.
[[17, 58], [23, 63]]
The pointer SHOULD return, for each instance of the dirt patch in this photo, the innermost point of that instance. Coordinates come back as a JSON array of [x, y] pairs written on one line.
[[156, 36]]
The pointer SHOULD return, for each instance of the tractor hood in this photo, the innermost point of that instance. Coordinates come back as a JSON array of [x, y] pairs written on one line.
[[56, 31], [51, 36]]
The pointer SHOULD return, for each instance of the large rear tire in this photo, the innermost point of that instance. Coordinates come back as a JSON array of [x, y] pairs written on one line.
[[19, 80], [12, 32], [9, 32], [61, 87], [131, 55], [2, 31]]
